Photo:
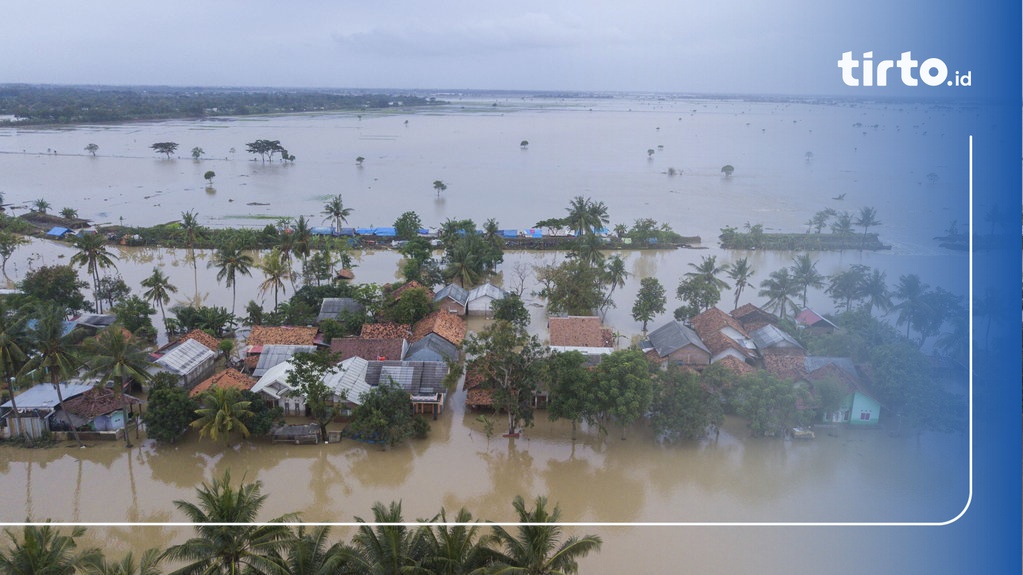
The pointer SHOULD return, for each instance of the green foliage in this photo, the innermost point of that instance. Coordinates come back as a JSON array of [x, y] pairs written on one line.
[[56, 284], [112, 289], [650, 301], [536, 546], [264, 417], [166, 148], [683, 409], [384, 416], [573, 287], [622, 389], [9, 242], [213, 319], [169, 410], [407, 226], [222, 411], [306, 379], [698, 294], [133, 313], [44, 550], [411, 306], [511, 309], [768, 404], [567, 380]]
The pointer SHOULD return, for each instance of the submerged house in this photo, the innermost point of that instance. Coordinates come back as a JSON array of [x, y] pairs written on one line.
[[100, 409], [676, 343], [814, 323], [859, 406], [452, 299], [481, 297], [188, 359], [369, 348], [723, 335], [36, 407], [752, 317], [348, 384], [230, 378], [333, 307], [585, 334]]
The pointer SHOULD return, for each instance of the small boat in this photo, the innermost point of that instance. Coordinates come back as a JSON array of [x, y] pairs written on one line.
[[802, 433]]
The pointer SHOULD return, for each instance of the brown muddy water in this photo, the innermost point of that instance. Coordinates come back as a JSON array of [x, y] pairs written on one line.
[[595, 149]]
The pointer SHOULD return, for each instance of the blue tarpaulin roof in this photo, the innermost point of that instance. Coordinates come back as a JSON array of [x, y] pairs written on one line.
[[385, 232], [347, 232], [57, 231], [424, 231], [535, 233], [322, 231], [364, 231], [509, 233]]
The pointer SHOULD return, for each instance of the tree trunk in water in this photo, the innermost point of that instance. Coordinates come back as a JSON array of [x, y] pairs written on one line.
[[16, 414], [67, 416]]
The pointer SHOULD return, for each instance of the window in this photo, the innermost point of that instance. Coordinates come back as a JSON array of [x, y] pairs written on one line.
[[864, 416]]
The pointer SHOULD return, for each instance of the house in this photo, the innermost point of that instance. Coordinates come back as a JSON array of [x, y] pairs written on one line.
[[395, 293], [271, 355], [432, 347], [283, 335], [859, 407], [230, 378], [332, 307], [814, 323], [752, 317], [196, 334], [676, 343], [452, 299], [584, 334], [476, 396], [348, 384], [95, 323], [369, 348], [36, 407], [736, 366], [189, 360], [344, 275], [723, 335], [386, 330], [448, 326], [100, 409], [481, 297], [423, 380], [770, 339]]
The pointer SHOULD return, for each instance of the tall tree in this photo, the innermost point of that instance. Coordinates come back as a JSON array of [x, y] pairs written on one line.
[[389, 547], [230, 261], [846, 286], [192, 231], [740, 272], [306, 379], [622, 389], [223, 549], [586, 216], [536, 547], [614, 277], [709, 270], [568, 381], [43, 550], [913, 307], [166, 148], [13, 342], [682, 408], [9, 242], [146, 564], [221, 411], [779, 289], [275, 272], [650, 301], [311, 554], [868, 219], [158, 290], [805, 274], [439, 187], [407, 226], [116, 357], [93, 256], [335, 210], [54, 359], [875, 291]]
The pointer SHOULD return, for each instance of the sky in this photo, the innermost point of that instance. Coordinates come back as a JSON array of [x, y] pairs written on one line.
[[727, 46]]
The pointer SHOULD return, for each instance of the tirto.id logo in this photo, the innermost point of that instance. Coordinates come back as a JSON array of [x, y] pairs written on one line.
[[932, 71]]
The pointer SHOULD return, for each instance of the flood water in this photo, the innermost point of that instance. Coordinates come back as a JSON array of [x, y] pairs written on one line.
[[596, 149]]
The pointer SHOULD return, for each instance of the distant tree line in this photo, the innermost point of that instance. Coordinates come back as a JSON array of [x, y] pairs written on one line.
[[77, 104]]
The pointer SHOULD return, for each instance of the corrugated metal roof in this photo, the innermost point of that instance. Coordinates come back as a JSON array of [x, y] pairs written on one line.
[[672, 337], [486, 290], [426, 376], [277, 354], [44, 395], [457, 293], [350, 380], [770, 336], [186, 357], [813, 363], [432, 347], [333, 306]]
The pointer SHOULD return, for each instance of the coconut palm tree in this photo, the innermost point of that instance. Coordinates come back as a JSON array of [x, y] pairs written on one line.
[[868, 219], [459, 549], [93, 256], [586, 216], [779, 289], [389, 548], [41, 206], [147, 564], [13, 340], [463, 264], [192, 231], [708, 269], [847, 285], [875, 291], [223, 411], [535, 548], [158, 290], [220, 549], [740, 272], [335, 210], [54, 359], [913, 308], [230, 261], [116, 356], [43, 550], [302, 237], [843, 224], [805, 274], [614, 276], [275, 272], [310, 554]]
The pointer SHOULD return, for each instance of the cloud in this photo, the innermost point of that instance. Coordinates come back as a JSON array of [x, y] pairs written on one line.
[[530, 31]]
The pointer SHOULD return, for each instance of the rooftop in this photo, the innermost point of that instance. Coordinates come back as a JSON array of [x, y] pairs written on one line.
[[98, 401], [228, 379], [368, 348], [44, 396], [277, 354], [447, 325], [387, 330], [185, 357], [332, 307], [285, 335], [672, 337], [711, 324], [579, 331]]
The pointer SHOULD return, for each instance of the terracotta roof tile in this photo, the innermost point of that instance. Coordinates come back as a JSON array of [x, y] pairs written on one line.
[[285, 335], [228, 379], [785, 366], [736, 365], [579, 331], [203, 338], [388, 330], [98, 401], [368, 349], [752, 317], [445, 324], [396, 293], [708, 326]]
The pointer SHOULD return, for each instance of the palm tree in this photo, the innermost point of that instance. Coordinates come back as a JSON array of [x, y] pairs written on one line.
[[535, 548], [192, 231], [587, 249], [708, 269], [148, 564], [389, 548], [867, 219], [464, 264], [230, 261], [117, 357], [159, 290], [12, 339], [276, 272], [54, 358], [843, 224], [41, 205], [614, 275], [222, 549], [913, 308], [301, 238], [335, 210], [439, 186], [309, 553], [459, 549], [93, 255], [69, 213], [223, 411], [586, 216], [43, 550], [779, 289], [805, 274], [847, 285], [740, 272], [875, 290]]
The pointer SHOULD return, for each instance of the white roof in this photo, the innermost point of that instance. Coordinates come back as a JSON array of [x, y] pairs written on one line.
[[274, 381], [186, 356], [349, 379], [44, 395], [486, 290]]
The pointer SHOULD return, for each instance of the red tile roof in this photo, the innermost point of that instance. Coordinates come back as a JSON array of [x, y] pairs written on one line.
[[368, 349], [735, 365], [785, 366], [230, 378], [445, 324], [752, 317], [579, 331], [98, 401], [396, 293], [389, 330], [708, 326], [285, 335]]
